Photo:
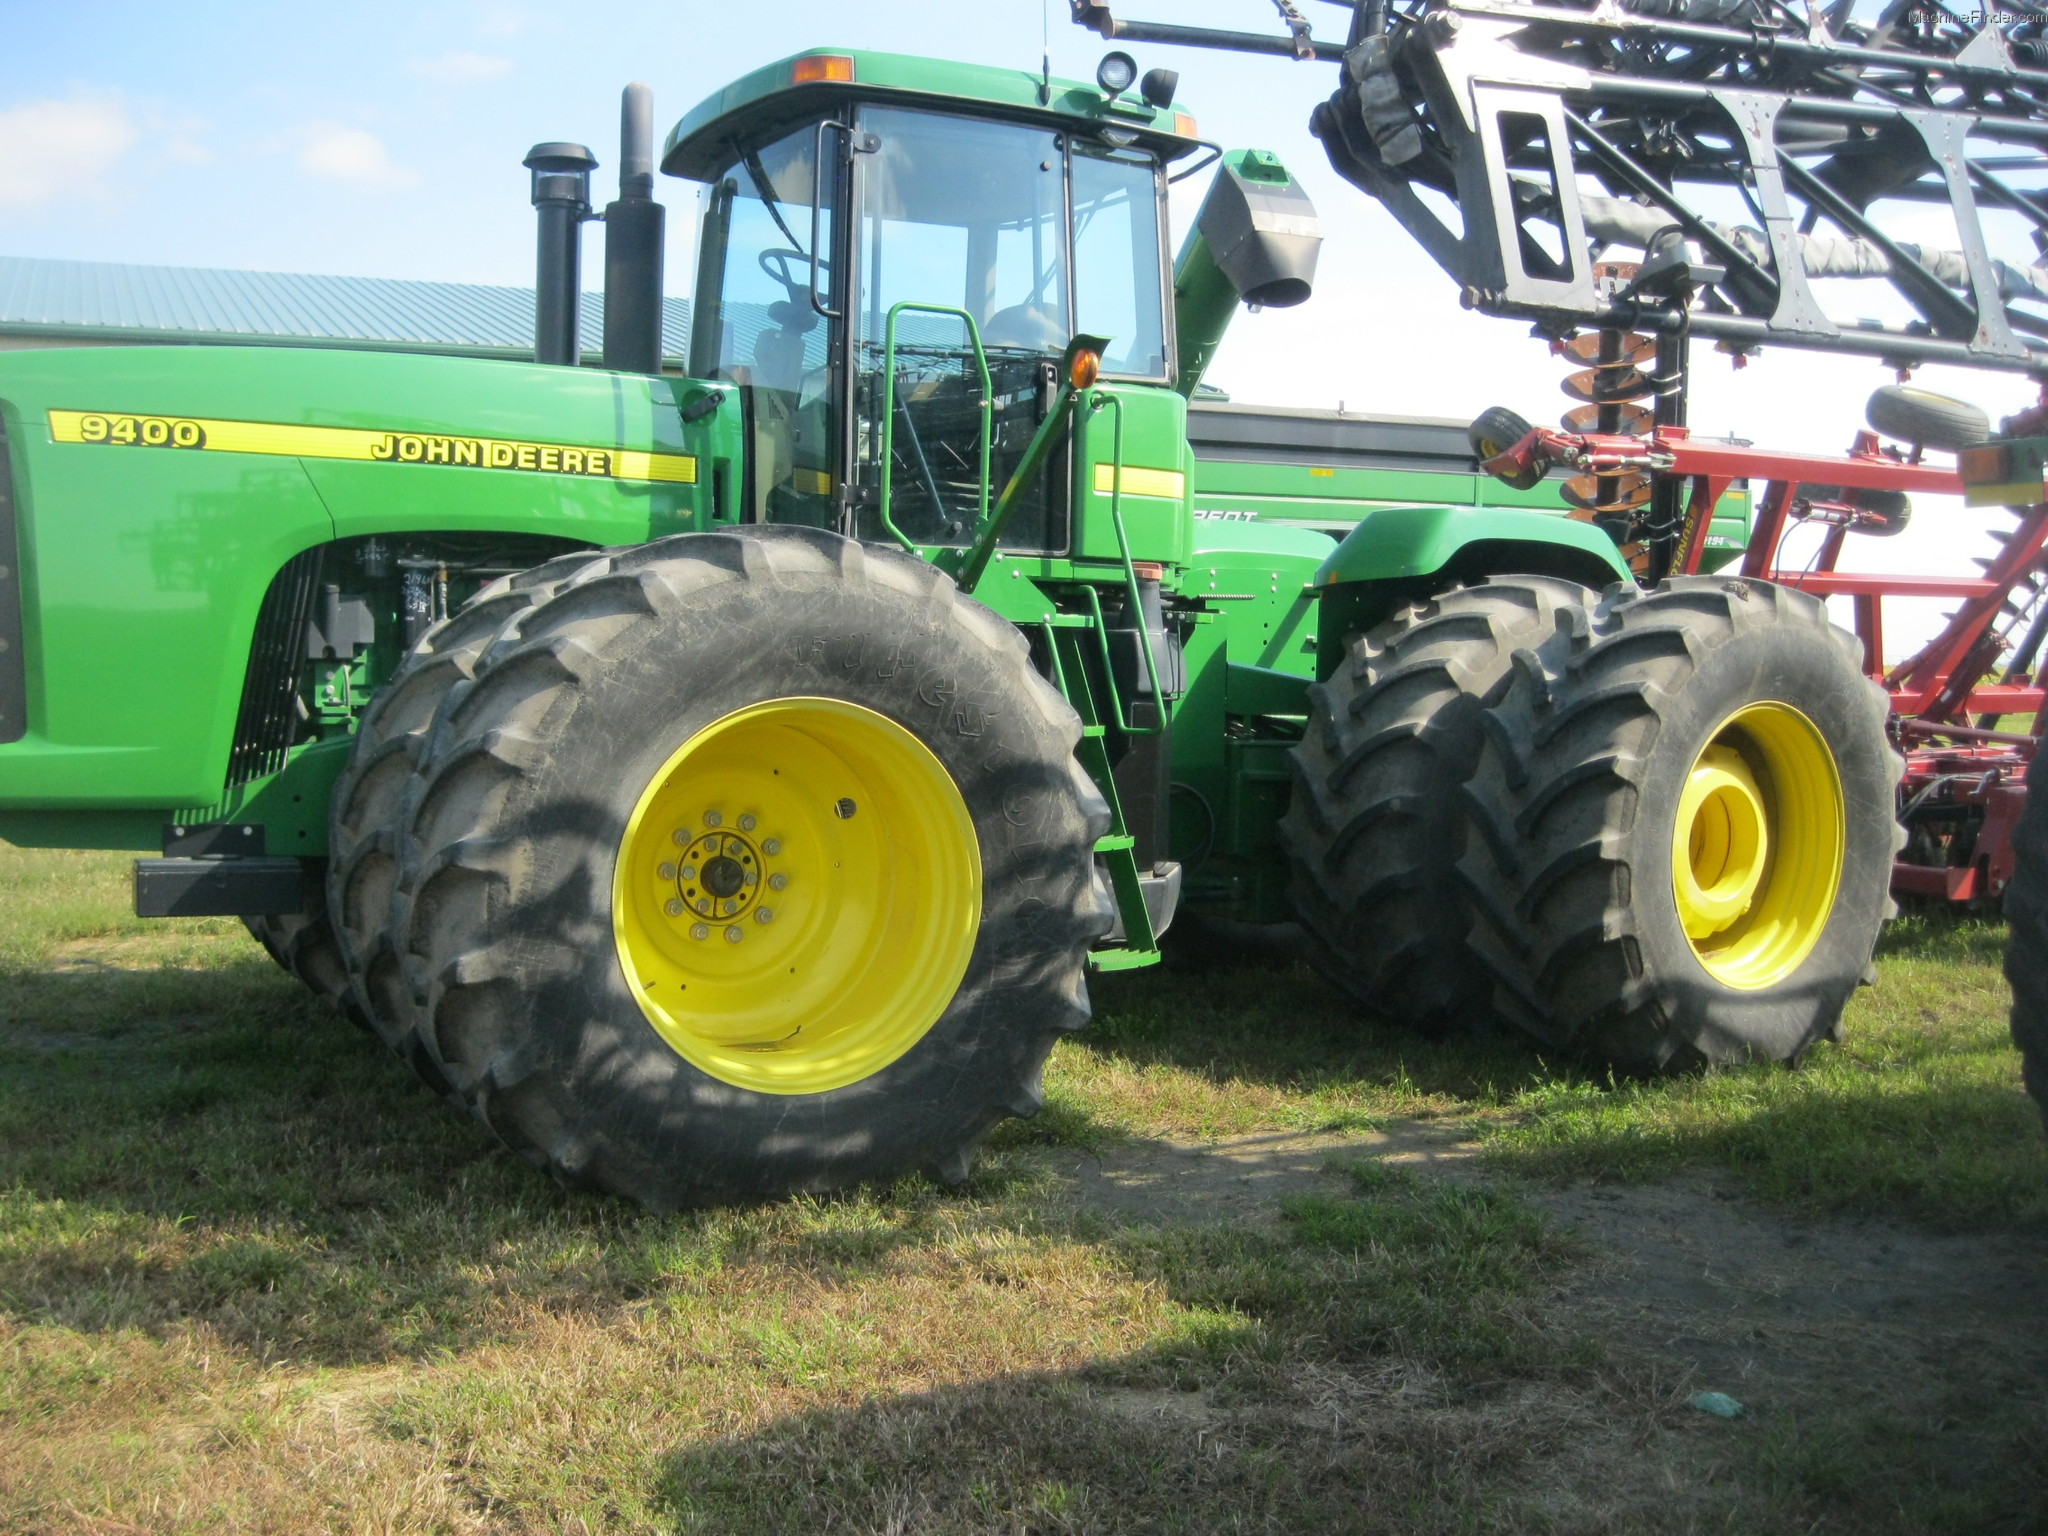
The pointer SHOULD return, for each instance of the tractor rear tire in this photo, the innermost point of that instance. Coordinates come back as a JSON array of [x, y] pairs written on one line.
[[753, 863], [1377, 821], [364, 807], [2026, 945], [1684, 828]]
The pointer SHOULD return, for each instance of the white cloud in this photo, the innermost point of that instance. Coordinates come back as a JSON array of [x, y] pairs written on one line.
[[58, 149], [341, 153], [458, 67]]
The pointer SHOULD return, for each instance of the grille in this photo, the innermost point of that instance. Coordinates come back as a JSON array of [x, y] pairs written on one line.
[[270, 717]]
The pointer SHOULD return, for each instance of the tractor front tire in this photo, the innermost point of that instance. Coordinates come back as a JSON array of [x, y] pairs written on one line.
[[1377, 822], [365, 805], [2026, 945], [303, 945], [752, 863], [1684, 828]]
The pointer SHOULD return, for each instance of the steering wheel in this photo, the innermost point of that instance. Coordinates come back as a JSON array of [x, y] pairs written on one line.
[[777, 263]]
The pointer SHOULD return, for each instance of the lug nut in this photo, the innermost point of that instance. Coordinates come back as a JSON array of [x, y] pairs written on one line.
[[777, 882], [699, 931], [746, 823], [680, 837], [765, 915], [735, 933], [689, 871], [713, 819], [673, 908], [772, 847], [668, 871], [751, 878]]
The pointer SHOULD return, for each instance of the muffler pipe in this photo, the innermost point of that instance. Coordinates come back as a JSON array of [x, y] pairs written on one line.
[[633, 234]]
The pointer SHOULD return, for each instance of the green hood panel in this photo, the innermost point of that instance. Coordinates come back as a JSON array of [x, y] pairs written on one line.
[[160, 489]]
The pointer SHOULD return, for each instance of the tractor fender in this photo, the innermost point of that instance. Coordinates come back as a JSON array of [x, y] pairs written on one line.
[[1396, 543], [1399, 555]]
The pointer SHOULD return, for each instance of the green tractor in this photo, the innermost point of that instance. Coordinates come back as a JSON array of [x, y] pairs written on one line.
[[723, 781]]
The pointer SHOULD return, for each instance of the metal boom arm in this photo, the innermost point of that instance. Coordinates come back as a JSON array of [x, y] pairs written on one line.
[[1750, 150]]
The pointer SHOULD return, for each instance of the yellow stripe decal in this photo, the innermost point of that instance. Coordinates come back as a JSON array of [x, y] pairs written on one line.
[[114, 430], [1169, 483]]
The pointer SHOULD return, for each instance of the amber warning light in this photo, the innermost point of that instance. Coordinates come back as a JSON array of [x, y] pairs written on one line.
[[821, 66]]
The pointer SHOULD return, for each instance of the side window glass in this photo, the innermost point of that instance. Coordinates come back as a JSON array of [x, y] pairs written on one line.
[[757, 327], [1118, 291]]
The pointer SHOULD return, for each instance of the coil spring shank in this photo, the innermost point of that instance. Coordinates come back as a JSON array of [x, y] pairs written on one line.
[[1619, 369]]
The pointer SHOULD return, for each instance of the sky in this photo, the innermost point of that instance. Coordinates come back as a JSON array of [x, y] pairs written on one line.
[[384, 140]]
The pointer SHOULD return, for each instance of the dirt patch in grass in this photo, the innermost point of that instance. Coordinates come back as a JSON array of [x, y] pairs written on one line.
[[1245, 1178]]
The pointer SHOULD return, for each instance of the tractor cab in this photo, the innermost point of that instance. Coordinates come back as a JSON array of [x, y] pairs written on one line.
[[892, 246]]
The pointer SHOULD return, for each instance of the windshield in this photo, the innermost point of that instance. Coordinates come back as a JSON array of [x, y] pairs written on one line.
[[1017, 229]]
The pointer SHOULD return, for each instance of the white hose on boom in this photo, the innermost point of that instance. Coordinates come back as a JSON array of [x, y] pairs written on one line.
[[1616, 221]]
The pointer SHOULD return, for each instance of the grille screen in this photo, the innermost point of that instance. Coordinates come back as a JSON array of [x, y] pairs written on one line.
[[268, 723]]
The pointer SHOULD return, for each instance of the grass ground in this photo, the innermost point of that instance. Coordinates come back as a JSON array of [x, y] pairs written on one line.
[[254, 1278]]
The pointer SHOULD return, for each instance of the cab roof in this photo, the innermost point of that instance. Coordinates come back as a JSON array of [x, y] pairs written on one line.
[[820, 79]]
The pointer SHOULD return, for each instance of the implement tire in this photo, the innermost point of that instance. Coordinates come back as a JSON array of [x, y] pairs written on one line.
[[1377, 821], [1684, 828], [366, 804], [2026, 945], [752, 863]]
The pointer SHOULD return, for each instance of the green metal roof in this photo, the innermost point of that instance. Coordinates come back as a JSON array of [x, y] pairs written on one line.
[[697, 147], [116, 302]]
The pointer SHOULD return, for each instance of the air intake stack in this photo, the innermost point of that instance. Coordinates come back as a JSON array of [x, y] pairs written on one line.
[[561, 199]]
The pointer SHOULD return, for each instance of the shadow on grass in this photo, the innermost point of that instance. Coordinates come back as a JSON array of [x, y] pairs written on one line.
[[1287, 1028], [1948, 1156], [1283, 1396], [1051, 1453], [212, 1146]]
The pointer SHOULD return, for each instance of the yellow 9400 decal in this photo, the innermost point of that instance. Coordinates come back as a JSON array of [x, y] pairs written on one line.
[[199, 434]]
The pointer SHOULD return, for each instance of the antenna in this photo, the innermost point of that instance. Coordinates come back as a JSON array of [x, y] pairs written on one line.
[[1045, 57]]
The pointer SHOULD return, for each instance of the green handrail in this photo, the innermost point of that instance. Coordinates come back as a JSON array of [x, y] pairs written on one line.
[[889, 409], [1099, 401], [968, 565]]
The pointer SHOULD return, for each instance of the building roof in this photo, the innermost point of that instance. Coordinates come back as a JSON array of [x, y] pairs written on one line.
[[114, 302]]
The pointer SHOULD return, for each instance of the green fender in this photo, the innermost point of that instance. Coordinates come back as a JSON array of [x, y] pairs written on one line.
[[1394, 543], [1398, 555]]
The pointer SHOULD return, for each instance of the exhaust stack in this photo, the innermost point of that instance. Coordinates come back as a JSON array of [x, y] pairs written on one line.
[[633, 234], [561, 199]]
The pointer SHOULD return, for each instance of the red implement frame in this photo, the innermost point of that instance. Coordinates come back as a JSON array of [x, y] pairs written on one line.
[[1963, 788]]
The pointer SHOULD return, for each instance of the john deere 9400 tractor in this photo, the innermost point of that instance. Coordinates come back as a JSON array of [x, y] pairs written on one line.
[[723, 780]]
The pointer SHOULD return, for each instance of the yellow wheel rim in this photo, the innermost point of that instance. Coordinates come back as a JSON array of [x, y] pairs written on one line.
[[797, 895], [1757, 849]]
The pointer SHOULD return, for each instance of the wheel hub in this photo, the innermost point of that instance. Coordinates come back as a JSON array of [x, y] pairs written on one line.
[[719, 875], [1757, 846], [1725, 830]]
